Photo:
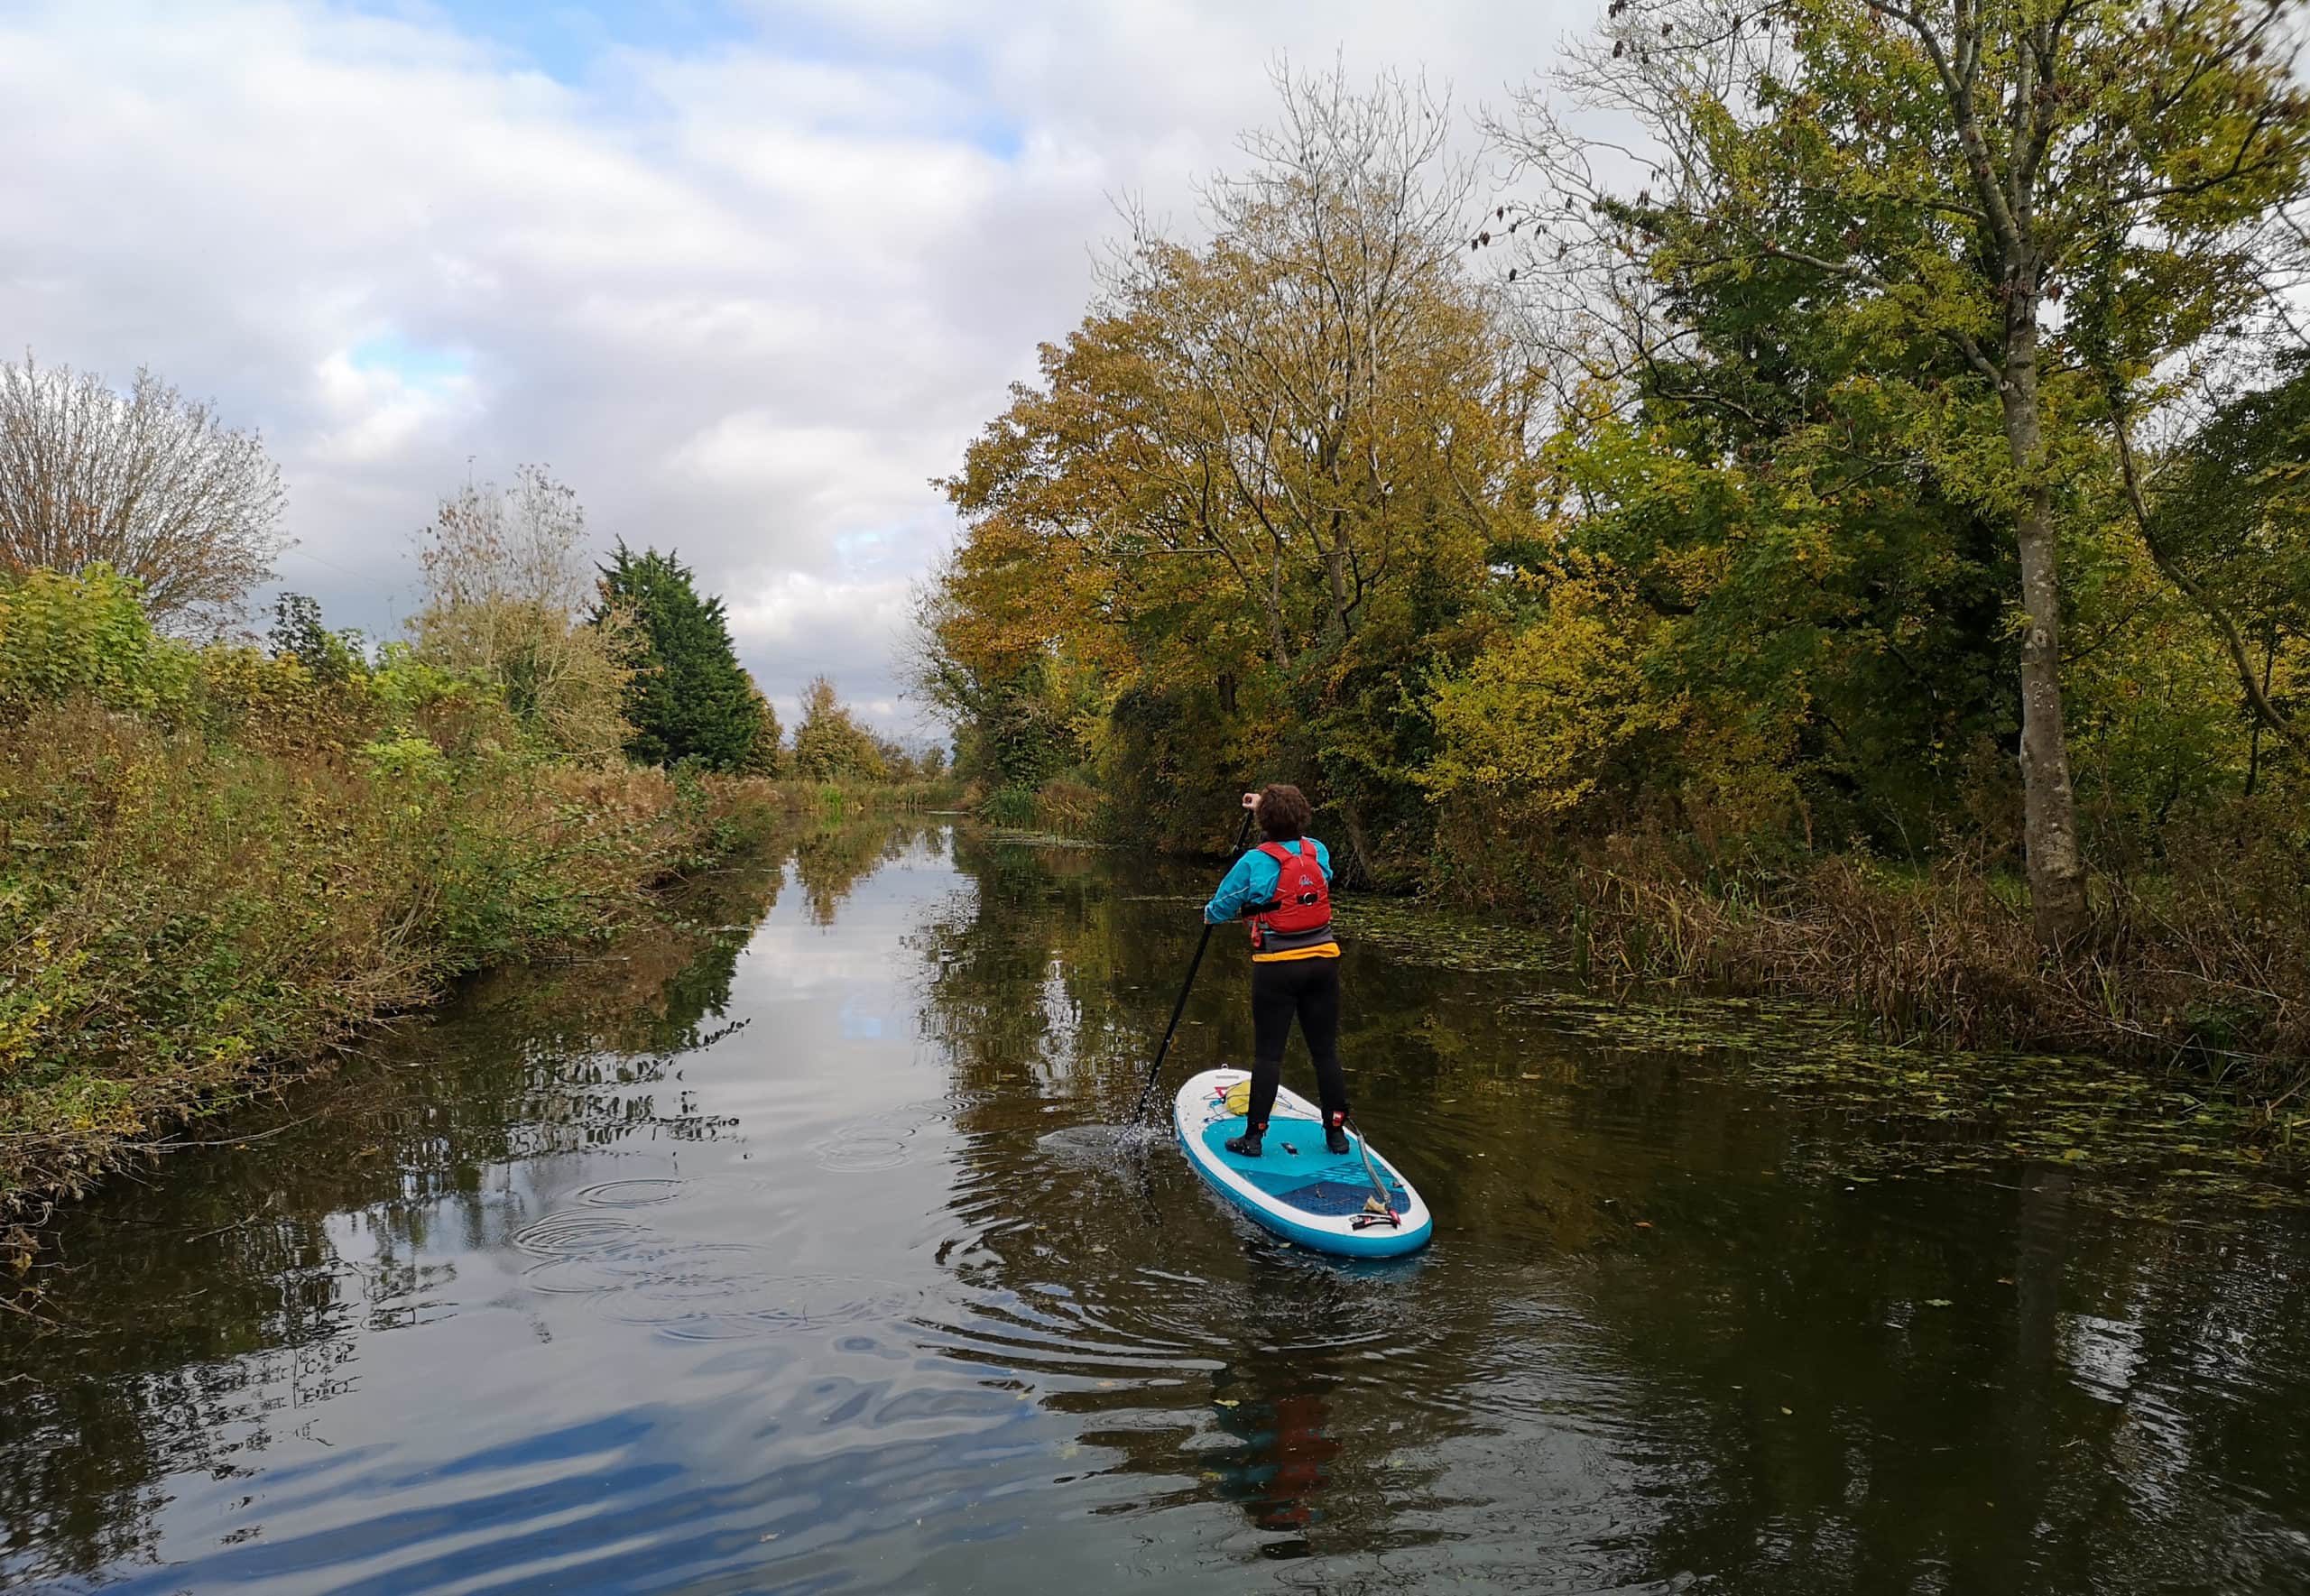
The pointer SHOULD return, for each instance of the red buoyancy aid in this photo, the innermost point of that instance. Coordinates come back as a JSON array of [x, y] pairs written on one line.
[[1300, 913]]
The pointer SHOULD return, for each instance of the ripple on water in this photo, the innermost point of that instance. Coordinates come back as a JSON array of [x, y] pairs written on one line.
[[634, 1272], [1104, 1321], [879, 1141], [641, 1193], [567, 1233]]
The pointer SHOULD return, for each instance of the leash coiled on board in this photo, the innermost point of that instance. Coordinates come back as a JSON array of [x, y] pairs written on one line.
[[1380, 1208]]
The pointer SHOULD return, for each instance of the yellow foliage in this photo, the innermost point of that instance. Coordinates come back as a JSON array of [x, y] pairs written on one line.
[[276, 702], [1546, 705]]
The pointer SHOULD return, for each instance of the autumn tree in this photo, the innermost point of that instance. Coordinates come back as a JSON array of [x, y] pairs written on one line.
[[149, 483], [1920, 175], [511, 593], [1259, 481], [830, 744], [766, 753]]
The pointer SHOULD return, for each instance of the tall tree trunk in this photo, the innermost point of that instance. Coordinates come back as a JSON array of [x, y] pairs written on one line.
[[2050, 805], [1276, 643], [1335, 575], [2254, 752]]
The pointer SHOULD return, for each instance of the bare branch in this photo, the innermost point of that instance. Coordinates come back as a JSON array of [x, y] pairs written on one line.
[[147, 481]]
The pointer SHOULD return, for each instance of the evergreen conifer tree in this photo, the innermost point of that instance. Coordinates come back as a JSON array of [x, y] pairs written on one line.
[[688, 697]]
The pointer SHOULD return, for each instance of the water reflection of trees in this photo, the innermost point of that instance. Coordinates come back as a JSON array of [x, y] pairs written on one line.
[[2041, 1397], [1933, 1382], [1936, 1382], [830, 861], [1025, 976], [1988, 1383], [1662, 1338], [163, 1321], [171, 1318]]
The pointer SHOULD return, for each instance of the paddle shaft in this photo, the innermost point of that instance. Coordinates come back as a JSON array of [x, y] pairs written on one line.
[[1155, 1070]]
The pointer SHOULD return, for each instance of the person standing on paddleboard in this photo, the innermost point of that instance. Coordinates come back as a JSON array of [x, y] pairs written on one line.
[[1283, 887]]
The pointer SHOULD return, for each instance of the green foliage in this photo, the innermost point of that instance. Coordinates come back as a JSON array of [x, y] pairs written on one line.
[[766, 753], [1014, 807], [1840, 629], [405, 758], [297, 631], [687, 697], [213, 861], [2230, 526], [1549, 708], [1026, 727], [408, 685], [181, 913], [1913, 267], [61, 635]]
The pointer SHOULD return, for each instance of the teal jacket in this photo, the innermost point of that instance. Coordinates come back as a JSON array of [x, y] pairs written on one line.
[[1251, 880]]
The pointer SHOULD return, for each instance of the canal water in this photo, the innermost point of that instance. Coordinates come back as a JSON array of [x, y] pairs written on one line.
[[793, 1249]]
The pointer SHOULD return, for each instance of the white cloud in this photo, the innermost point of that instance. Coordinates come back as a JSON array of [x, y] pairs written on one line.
[[374, 412], [745, 293], [847, 628]]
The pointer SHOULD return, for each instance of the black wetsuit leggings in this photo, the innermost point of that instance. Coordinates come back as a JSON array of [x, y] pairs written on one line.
[[1309, 989]]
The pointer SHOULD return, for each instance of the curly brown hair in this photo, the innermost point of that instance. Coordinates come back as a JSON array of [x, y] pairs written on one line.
[[1284, 813]]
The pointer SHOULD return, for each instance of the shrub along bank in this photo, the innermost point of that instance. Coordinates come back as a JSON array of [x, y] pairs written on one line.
[[2203, 958], [217, 865]]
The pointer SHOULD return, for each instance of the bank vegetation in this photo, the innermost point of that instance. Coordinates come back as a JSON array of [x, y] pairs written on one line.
[[222, 861], [1849, 541]]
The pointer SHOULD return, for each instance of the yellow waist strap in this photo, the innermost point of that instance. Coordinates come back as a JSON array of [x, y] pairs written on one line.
[[1322, 950]]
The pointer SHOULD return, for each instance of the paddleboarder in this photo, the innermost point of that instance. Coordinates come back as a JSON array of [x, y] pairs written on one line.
[[1283, 887]]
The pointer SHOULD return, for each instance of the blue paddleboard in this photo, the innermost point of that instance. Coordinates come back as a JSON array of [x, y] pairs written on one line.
[[1322, 1200]]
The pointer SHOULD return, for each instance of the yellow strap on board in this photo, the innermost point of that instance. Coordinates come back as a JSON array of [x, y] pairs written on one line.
[[1239, 1098]]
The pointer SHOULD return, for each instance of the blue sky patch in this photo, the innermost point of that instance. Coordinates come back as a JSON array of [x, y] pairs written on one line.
[[563, 40], [415, 364], [566, 43]]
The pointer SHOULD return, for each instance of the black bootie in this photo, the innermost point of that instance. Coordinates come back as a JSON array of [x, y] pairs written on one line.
[[1334, 1138], [1247, 1144]]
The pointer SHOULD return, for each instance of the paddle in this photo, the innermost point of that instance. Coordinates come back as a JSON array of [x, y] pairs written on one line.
[[1155, 1070]]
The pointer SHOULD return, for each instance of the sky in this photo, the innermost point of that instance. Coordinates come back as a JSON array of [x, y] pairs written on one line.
[[747, 275]]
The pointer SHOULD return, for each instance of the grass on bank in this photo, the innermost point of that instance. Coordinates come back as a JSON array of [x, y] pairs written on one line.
[[2204, 960], [183, 921]]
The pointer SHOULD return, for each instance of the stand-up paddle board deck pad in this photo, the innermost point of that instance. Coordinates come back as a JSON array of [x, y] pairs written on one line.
[[1294, 1187]]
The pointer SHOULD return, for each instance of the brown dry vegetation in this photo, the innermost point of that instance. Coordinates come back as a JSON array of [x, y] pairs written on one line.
[[2204, 960], [184, 920]]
